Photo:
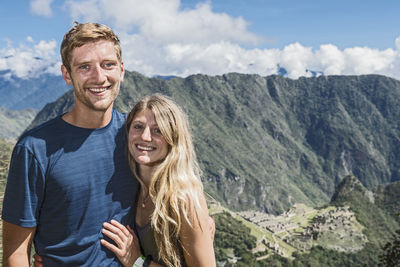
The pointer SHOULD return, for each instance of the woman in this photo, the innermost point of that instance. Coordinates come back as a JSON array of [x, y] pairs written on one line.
[[171, 211]]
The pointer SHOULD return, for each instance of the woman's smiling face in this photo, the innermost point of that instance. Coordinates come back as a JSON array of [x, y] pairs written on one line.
[[146, 143]]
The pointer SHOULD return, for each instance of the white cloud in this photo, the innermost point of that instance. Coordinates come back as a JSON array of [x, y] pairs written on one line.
[[295, 58], [330, 59], [83, 11], [361, 60], [397, 42], [158, 37], [26, 61], [30, 39], [163, 21], [41, 7]]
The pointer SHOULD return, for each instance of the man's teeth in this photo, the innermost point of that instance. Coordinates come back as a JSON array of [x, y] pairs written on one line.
[[98, 90], [147, 148]]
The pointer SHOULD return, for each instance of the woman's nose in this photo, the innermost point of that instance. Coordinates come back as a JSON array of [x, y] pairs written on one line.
[[146, 135]]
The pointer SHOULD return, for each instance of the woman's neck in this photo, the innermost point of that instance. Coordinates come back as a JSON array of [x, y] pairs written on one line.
[[146, 173], [145, 206]]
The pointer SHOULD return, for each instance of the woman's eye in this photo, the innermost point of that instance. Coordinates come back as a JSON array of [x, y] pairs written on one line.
[[157, 131], [137, 126]]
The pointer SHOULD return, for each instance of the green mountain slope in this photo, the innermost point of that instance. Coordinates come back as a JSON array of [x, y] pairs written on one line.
[[5, 155], [14, 122], [380, 225], [268, 142], [387, 197], [350, 231]]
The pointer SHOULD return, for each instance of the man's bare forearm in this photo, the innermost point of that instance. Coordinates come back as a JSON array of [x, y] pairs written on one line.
[[17, 243]]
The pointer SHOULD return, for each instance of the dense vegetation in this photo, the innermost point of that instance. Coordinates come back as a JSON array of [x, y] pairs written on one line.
[[324, 257], [387, 198], [391, 252], [231, 235], [5, 154], [380, 226]]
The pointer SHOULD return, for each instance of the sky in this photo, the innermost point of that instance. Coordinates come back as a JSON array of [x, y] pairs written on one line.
[[213, 37]]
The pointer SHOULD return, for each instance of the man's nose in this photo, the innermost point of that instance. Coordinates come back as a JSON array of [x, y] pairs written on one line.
[[99, 74]]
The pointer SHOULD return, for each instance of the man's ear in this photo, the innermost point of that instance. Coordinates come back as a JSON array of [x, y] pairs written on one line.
[[122, 71], [65, 75]]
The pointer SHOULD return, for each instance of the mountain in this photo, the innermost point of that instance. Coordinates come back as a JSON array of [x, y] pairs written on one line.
[[387, 197], [380, 225], [320, 155], [19, 93], [163, 77], [309, 73], [14, 122], [5, 154], [349, 231], [268, 142]]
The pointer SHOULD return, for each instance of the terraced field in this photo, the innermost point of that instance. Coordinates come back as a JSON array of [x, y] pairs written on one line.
[[301, 228]]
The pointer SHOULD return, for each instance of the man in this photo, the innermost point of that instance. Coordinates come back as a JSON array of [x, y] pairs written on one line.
[[70, 175]]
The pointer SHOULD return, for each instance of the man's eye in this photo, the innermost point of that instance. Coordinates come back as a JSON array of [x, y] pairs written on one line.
[[84, 67], [109, 65]]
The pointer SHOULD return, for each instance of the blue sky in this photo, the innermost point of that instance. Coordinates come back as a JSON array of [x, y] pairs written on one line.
[[172, 37], [345, 23]]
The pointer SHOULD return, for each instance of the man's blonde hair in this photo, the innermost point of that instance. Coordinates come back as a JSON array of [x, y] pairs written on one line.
[[83, 33]]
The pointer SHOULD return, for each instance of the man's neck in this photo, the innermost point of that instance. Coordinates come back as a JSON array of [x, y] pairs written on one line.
[[90, 119]]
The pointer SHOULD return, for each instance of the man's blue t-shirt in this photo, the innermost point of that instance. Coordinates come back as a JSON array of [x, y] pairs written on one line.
[[67, 181]]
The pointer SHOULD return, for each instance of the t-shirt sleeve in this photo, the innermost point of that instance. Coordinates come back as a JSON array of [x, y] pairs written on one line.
[[24, 190]]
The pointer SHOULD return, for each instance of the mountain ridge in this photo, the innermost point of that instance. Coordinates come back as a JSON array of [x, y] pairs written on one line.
[[23, 93], [284, 140], [14, 122]]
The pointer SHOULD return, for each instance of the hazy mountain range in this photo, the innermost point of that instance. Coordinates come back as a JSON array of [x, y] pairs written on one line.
[[19, 94], [266, 143]]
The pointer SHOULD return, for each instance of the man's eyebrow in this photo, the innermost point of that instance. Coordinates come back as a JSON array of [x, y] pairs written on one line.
[[80, 62]]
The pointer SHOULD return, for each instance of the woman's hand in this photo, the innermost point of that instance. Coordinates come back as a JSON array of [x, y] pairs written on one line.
[[37, 260], [128, 248]]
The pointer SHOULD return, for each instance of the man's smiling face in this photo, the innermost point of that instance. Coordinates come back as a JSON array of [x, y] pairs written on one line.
[[96, 74]]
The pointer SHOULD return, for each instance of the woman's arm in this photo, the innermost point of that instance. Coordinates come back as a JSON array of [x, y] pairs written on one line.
[[197, 240], [128, 248]]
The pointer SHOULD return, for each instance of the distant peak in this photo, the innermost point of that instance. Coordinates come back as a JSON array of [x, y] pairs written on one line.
[[348, 187]]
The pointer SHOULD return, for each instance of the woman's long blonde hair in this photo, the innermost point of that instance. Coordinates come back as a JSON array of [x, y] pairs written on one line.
[[176, 185]]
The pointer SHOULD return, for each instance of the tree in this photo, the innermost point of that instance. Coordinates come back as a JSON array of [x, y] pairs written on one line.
[[391, 255]]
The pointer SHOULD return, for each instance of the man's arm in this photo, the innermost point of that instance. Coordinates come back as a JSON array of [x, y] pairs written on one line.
[[17, 243]]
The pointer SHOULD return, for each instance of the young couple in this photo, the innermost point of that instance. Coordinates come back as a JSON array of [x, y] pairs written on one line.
[[75, 194]]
